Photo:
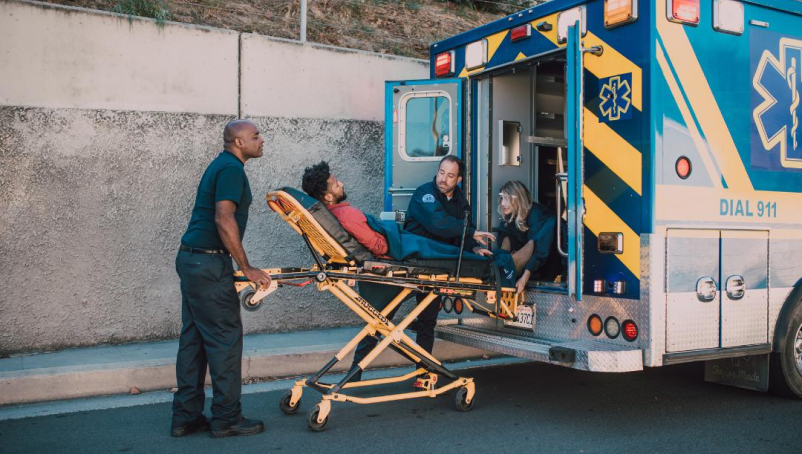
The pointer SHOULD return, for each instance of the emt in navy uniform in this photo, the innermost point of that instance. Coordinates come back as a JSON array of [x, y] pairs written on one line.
[[211, 332], [437, 211]]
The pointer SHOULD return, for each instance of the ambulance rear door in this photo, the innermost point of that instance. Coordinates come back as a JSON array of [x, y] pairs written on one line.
[[423, 123]]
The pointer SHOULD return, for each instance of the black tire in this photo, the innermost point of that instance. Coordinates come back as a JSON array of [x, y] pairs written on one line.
[[785, 373], [311, 420], [284, 404], [245, 299], [460, 400]]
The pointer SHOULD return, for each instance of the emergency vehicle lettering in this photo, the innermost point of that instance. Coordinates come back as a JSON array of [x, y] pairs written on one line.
[[737, 207]]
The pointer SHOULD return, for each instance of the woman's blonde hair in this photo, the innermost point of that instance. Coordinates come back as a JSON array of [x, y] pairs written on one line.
[[516, 194]]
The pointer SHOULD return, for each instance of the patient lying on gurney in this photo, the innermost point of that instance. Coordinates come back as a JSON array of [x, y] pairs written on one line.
[[384, 239]]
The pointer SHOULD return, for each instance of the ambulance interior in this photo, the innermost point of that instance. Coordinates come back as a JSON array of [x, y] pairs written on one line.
[[520, 130]]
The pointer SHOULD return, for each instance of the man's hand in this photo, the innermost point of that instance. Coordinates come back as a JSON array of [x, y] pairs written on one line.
[[482, 237], [257, 276], [482, 251], [520, 285]]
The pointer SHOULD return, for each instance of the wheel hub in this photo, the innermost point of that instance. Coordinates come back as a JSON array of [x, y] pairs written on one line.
[[798, 349]]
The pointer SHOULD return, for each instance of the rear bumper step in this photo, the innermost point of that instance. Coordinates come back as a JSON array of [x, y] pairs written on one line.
[[583, 355]]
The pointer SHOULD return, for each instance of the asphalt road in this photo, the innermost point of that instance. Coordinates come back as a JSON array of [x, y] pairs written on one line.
[[527, 408]]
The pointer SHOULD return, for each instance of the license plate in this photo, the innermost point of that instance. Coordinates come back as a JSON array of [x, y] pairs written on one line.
[[525, 318]]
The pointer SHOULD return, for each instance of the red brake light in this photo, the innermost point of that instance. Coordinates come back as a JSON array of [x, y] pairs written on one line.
[[520, 32], [444, 64], [685, 11], [629, 330], [683, 167]]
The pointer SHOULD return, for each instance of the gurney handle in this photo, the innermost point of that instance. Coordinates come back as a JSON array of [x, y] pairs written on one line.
[[462, 244]]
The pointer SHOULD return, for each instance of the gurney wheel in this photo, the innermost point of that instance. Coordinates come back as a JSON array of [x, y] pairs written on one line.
[[460, 400], [312, 420], [285, 406], [245, 299]]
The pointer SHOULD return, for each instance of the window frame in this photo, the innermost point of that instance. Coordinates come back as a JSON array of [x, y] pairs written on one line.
[[402, 123]]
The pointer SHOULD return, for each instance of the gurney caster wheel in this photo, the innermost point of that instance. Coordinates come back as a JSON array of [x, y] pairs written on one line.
[[312, 420], [285, 406], [460, 400], [245, 299]]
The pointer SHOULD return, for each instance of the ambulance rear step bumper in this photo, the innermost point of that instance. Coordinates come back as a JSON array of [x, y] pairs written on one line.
[[587, 355]]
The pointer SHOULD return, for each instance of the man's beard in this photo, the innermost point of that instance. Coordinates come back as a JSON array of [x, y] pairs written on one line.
[[342, 199]]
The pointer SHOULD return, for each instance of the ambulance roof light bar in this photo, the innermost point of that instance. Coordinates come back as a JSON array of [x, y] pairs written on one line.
[[444, 64], [683, 11], [569, 17], [620, 12], [728, 16]]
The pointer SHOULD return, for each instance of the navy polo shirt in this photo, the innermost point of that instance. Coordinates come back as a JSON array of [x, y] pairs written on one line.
[[224, 179]]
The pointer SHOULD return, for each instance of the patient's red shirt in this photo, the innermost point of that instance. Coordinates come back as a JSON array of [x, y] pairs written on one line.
[[355, 222]]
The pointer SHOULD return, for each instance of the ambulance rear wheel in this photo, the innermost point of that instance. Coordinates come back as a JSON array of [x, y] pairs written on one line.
[[461, 400], [785, 375], [245, 297], [285, 406], [312, 422]]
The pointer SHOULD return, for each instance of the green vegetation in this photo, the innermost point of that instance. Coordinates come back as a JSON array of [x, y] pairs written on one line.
[[155, 9]]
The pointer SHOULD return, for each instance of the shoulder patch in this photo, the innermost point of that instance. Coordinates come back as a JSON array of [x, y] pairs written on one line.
[[428, 198]]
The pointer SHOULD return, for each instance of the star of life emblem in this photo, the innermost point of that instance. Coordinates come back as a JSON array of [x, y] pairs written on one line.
[[615, 95], [778, 81]]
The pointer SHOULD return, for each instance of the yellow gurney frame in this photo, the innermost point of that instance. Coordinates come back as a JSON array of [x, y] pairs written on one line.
[[335, 269]]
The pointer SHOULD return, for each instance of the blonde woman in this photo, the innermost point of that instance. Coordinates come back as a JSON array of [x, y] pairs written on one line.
[[526, 230]]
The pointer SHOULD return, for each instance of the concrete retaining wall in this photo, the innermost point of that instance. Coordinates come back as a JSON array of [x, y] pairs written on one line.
[[107, 124]]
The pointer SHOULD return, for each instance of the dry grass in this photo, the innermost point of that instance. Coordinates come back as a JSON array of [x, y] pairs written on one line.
[[400, 27]]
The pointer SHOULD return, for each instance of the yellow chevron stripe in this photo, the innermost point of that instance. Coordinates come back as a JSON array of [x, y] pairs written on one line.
[[696, 136], [600, 218], [550, 35], [692, 79], [613, 151], [520, 56], [493, 43]]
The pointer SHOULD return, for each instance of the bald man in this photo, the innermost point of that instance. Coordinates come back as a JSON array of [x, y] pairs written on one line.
[[211, 332]]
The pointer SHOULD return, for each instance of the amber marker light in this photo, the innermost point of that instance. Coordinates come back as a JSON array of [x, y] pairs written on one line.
[[595, 325], [619, 12]]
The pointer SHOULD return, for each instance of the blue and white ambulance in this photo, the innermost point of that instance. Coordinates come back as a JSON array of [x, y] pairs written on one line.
[[665, 135]]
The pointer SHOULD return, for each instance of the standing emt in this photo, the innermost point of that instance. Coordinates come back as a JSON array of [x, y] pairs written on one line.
[[211, 332]]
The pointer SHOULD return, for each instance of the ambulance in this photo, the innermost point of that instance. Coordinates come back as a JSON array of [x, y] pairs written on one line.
[[665, 136]]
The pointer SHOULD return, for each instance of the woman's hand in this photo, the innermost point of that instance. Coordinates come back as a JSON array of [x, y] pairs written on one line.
[[520, 285], [482, 237]]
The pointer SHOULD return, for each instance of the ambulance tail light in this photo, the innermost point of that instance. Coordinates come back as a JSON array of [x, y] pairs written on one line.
[[620, 12], [444, 64], [683, 11], [629, 330], [595, 325], [521, 32]]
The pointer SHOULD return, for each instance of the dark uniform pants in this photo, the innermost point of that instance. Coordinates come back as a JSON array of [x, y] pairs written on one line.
[[211, 334], [424, 325]]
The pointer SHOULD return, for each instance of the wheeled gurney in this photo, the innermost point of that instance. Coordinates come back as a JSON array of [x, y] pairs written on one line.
[[340, 262]]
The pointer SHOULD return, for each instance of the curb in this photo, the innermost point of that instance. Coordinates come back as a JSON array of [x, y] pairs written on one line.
[[60, 383]]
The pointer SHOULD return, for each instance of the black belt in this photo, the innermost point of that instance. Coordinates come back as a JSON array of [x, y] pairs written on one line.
[[195, 250]]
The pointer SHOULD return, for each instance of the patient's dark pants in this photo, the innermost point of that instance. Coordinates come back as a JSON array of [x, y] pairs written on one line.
[[211, 334], [380, 296]]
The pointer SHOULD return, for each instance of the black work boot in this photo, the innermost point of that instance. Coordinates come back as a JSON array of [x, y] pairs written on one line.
[[243, 427], [199, 424]]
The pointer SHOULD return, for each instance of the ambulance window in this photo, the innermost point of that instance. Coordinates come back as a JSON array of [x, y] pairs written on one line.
[[425, 126]]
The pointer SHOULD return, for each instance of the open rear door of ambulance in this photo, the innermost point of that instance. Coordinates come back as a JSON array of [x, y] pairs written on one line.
[[574, 201], [423, 123]]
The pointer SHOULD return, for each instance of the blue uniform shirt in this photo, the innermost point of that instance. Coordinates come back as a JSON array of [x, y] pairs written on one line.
[[541, 231], [224, 179], [432, 215]]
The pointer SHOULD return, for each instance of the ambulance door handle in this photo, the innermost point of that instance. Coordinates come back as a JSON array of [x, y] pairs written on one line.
[[559, 179], [736, 287], [594, 50], [706, 289]]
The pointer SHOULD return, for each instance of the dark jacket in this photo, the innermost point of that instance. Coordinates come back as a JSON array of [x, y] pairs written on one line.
[[541, 222], [432, 215]]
